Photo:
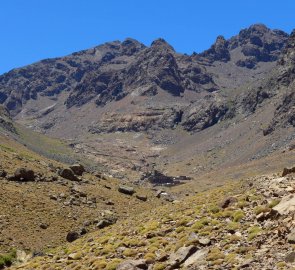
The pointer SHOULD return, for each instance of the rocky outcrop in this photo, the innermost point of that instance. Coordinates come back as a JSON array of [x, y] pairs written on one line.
[[284, 115], [5, 120], [219, 51], [156, 67], [201, 115], [152, 119], [258, 44]]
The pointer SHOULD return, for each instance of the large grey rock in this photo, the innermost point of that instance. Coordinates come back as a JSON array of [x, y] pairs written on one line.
[[286, 205], [133, 265], [198, 258], [180, 256]]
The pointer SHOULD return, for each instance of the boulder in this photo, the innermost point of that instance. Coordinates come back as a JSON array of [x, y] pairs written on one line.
[[287, 171], [44, 226], [126, 190], [104, 223], [286, 205], [68, 174], [23, 174], [180, 256], [204, 241], [291, 237], [197, 259], [75, 256], [228, 201], [72, 236], [271, 214], [133, 265], [78, 169]]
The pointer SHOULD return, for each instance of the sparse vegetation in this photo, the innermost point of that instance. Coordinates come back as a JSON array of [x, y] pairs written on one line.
[[7, 259]]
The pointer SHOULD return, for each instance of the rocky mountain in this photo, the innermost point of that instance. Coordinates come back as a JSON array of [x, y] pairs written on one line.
[[130, 71], [124, 93]]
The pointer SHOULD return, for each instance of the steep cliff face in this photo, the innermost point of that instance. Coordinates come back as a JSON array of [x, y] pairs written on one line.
[[284, 82], [6, 123]]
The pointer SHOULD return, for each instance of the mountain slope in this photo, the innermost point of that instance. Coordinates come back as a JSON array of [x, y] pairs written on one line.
[[128, 106], [233, 227]]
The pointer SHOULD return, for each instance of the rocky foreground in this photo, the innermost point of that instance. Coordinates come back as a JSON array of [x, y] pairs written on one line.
[[248, 225]]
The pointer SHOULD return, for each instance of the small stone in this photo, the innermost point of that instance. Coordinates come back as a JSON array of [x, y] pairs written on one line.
[[142, 197], [75, 256], [109, 202], [204, 241], [53, 197], [44, 226], [126, 190], [158, 193]]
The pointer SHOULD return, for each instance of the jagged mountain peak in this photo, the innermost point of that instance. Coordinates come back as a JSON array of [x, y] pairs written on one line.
[[161, 43], [218, 51], [131, 46]]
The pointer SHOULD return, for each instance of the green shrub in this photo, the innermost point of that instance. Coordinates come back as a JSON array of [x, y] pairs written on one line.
[[238, 215], [253, 232], [261, 209], [7, 259]]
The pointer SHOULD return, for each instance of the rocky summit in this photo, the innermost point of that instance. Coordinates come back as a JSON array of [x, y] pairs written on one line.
[[127, 157]]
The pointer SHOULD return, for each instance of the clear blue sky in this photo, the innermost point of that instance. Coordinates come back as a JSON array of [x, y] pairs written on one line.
[[35, 29]]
